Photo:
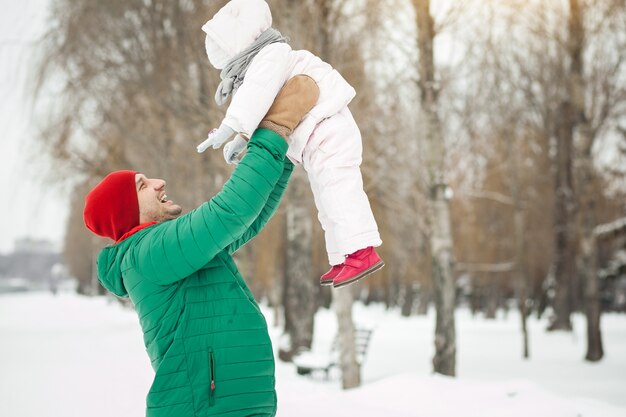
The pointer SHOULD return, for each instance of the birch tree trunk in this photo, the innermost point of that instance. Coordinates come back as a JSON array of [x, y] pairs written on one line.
[[350, 370], [565, 203], [584, 181], [521, 276], [342, 299], [444, 361], [591, 293]]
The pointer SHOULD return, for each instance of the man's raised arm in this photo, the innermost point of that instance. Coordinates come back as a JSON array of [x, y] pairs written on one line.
[[204, 232]]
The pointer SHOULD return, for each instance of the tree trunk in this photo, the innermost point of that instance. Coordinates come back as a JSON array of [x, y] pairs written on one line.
[[350, 370], [344, 298], [520, 273], [424, 297], [585, 177], [444, 361], [95, 287], [521, 277], [492, 301], [299, 294], [595, 351], [588, 250], [408, 300], [565, 206]]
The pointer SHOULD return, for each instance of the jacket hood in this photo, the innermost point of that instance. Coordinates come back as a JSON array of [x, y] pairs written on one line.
[[109, 265], [110, 259], [236, 26]]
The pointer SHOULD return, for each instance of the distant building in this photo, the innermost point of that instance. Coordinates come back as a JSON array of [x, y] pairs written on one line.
[[30, 245], [31, 265]]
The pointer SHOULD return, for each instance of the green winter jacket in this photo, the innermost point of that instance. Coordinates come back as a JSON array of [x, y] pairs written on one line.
[[206, 337]]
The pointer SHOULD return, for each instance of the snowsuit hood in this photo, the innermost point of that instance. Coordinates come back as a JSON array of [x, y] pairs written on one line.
[[234, 28]]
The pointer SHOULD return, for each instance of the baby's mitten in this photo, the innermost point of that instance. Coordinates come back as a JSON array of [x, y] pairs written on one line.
[[234, 148], [216, 138]]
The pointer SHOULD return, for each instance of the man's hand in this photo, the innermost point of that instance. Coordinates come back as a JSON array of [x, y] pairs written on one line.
[[234, 148], [216, 138], [297, 97]]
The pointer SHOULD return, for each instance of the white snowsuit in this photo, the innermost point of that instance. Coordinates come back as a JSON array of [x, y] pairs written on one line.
[[327, 142]]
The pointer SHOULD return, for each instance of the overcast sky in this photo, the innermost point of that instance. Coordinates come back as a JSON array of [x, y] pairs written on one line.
[[30, 209]]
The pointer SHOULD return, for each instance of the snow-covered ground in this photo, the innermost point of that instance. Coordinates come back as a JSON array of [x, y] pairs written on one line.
[[71, 356]]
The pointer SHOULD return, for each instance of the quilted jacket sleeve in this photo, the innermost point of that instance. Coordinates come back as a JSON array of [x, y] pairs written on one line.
[[182, 246], [268, 211], [264, 79]]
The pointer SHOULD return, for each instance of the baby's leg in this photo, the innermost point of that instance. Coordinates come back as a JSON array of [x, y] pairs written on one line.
[[332, 159], [334, 256]]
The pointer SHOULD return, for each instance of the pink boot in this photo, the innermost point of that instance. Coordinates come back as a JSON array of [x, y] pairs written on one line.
[[358, 265], [327, 278]]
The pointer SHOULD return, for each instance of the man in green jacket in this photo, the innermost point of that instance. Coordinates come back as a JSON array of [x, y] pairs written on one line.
[[204, 333]]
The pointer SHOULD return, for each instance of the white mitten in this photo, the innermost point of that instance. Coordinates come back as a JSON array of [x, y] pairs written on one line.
[[216, 138], [234, 148]]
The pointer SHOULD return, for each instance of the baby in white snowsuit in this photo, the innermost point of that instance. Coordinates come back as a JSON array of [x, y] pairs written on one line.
[[256, 61]]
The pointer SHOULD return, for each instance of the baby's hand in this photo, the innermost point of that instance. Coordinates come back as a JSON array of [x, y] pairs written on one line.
[[216, 138], [234, 148]]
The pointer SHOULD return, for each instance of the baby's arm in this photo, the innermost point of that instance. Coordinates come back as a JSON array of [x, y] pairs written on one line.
[[266, 75]]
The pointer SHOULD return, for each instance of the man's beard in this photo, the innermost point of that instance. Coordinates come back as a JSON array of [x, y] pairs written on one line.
[[170, 213], [161, 213]]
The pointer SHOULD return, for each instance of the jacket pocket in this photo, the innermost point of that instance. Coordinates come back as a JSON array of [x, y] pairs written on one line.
[[211, 377], [201, 370]]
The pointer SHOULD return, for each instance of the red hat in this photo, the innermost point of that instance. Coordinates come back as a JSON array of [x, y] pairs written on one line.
[[112, 207]]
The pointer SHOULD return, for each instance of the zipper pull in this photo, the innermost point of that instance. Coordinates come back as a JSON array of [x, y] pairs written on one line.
[[212, 385]]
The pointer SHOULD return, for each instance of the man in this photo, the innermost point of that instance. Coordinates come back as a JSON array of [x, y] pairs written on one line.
[[205, 335]]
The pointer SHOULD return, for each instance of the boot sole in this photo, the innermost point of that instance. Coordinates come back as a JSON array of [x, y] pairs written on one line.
[[326, 283], [363, 274]]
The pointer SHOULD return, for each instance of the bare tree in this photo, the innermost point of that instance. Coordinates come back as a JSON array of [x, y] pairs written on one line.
[[598, 98], [135, 92], [300, 287], [76, 239], [561, 83], [444, 361]]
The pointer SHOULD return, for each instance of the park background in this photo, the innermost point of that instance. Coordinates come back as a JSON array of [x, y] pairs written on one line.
[[494, 146]]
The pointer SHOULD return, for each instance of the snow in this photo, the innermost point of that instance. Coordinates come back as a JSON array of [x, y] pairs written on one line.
[[313, 360], [71, 356], [610, 228]]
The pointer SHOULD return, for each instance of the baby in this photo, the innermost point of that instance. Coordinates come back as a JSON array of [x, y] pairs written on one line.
[[255, 61]]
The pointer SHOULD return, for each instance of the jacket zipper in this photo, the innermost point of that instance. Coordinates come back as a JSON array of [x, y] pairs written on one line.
[[212, 370]]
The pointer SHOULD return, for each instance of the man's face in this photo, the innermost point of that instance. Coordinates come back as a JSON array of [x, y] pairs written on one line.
[[153, 203]]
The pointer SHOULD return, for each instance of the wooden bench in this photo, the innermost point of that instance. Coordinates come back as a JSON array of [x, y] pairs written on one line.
[[308, 362]]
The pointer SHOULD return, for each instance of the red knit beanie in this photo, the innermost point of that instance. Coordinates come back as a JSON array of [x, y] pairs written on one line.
[[111, 207]]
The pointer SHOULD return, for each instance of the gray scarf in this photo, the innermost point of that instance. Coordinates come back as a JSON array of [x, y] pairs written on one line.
[[234, 72]]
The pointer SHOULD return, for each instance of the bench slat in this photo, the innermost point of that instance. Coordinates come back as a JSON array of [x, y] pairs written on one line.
[[307, 362]]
